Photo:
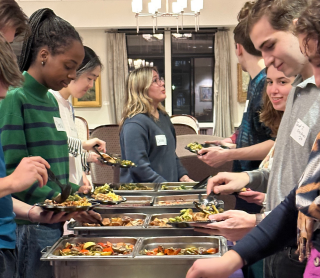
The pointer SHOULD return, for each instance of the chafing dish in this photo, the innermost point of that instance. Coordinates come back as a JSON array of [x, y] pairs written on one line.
[[52, 255], [181, 242], [153, 186], [172, 188], [181, 201], [76, 226]]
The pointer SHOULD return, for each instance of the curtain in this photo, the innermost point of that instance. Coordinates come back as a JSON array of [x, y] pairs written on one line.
[[222, 117], [117, 72]]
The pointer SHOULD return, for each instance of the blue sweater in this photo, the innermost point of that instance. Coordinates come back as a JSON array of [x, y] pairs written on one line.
[[7, 223], [277, 230], [152, 146]]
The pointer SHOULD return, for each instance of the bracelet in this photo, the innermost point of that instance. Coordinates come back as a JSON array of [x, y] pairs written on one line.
[[29, 213]]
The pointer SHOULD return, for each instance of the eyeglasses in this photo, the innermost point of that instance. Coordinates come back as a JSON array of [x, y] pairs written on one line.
[[158, 81]]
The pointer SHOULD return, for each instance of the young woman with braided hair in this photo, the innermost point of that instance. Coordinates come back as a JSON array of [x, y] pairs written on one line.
[[31, 126]]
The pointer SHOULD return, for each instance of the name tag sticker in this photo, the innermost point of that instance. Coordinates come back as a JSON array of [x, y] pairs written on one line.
[[59, 124], [246, 107], [161, 140], [300, 132]]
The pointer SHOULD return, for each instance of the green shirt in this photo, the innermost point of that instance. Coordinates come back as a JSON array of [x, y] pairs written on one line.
[[28, 129]]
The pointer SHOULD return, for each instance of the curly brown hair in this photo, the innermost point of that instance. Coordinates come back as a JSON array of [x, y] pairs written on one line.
[[280, 13], [309, 24]]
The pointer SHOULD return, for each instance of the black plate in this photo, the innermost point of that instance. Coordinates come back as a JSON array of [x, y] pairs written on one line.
[[206, 145], [117, 164], [66, 209], [110, 202]]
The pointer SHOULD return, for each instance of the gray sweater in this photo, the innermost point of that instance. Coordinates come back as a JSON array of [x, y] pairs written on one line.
[[152, 146], [290, 158]]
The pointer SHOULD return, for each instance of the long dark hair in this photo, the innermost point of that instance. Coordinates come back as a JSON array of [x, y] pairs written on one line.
[[90, 62], [47, 29]]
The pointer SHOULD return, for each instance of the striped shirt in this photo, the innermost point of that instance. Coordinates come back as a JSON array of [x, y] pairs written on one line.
[[28, 128]]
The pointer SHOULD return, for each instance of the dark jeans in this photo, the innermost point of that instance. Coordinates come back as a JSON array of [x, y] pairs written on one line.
[[31, 239], [284, 264], [8, 263]]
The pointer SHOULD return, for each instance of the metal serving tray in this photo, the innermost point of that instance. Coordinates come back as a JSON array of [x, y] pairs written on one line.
[[181, 242], [76, 226], [50, 254], [136, 201], [188, 198], [159, 216], [116, 186], [172, 185]]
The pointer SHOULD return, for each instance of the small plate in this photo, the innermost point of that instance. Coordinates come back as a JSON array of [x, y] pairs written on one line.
[[57, 208], [102, 202], [186, 224]]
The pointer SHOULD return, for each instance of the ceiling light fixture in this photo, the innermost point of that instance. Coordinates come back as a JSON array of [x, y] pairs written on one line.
[[177, 11]]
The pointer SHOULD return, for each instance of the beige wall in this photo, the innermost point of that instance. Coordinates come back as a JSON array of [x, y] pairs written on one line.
[[93, 17]]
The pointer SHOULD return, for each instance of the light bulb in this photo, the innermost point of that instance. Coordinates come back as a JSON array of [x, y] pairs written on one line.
[[183, 3], [195, 6], [157, 4], [151, 8], [176, 8], [136, 6]]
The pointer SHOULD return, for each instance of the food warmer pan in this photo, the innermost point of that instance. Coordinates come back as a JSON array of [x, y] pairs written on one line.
[[135, 266]]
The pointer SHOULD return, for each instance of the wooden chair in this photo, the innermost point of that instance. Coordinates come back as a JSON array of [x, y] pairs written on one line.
[[185, 124], [102, 174], [82, 128]]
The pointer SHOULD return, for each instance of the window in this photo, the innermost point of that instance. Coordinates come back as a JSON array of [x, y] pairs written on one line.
[[192, 75], [146, 49], [192, 67]]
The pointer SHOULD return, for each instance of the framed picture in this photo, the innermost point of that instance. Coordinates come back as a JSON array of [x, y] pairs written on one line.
[[205, 93], [92, 98], [243, 82]]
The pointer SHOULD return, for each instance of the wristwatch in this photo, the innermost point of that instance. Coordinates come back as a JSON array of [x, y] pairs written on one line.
[[259, 218]]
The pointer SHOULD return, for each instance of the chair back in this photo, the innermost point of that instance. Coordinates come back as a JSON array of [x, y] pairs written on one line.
[[82, 128], [102, 174], [185, 124]]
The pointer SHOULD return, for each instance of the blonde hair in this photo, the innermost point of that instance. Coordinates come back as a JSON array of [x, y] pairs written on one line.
[[137, 99], [10, 74]]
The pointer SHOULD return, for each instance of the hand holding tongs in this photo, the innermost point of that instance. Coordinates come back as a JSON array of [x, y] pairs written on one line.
[[95, 147], [65, 188]]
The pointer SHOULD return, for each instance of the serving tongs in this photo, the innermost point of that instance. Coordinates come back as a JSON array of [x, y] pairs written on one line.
[[201, 184], [95, 147], [65, 188]]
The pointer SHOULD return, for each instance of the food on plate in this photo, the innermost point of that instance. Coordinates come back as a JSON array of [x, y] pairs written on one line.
[[161, 251], [103, 189], [105, 193], [117, 221], [109, 197], [95, 249], [187, 215], [72, 201], [108, 158], [180, 187], [194, 146], [126, 163], [134, 186]]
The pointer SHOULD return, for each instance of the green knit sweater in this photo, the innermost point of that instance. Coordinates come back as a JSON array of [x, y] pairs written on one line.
[[28, 129]]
